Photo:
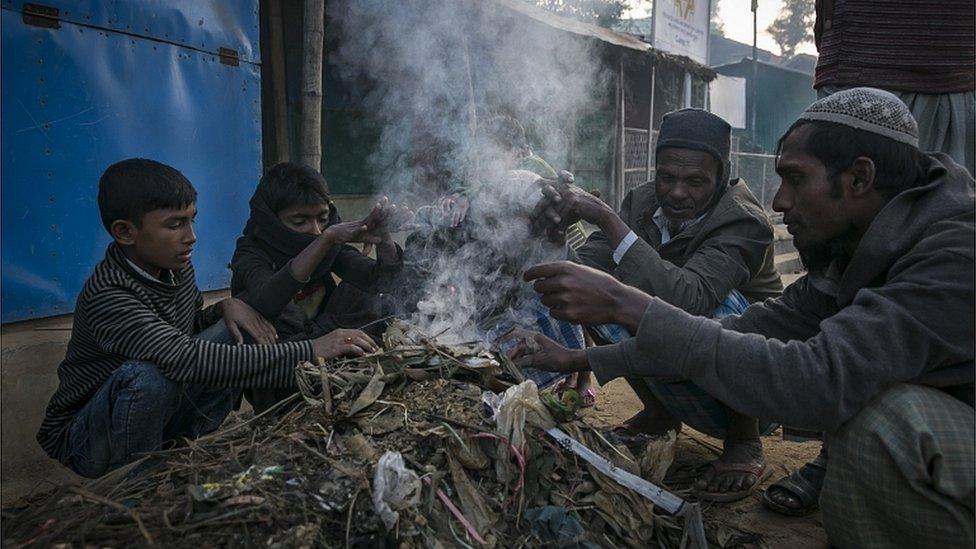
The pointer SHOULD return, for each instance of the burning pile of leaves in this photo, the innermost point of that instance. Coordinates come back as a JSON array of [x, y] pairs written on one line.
[[412, 446]]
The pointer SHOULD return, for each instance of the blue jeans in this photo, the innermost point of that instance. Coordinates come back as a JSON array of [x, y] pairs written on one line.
[[138, 409]]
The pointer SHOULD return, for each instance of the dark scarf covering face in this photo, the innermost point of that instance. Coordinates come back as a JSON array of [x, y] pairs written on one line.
[[267, 233]]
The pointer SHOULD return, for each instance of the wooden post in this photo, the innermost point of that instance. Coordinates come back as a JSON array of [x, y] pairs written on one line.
[[573, 128], [650, 123], [279, 84], [314, 33], [621, 183]]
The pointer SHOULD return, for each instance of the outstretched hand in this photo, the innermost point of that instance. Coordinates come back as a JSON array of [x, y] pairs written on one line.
[[455, 208], [375, 228], [563, 203], [545, 215], [386, 217], [343, 342], [583, 295], [352, 231], [535, 350]]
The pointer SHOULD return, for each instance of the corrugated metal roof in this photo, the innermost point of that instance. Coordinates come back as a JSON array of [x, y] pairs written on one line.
[[607, 36], [576, 27]]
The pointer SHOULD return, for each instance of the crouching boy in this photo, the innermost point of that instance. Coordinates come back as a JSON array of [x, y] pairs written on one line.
[[134, 375]]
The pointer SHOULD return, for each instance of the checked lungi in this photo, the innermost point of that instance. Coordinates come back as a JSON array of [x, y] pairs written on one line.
[[683, 399], [901, 472], [533, 315]]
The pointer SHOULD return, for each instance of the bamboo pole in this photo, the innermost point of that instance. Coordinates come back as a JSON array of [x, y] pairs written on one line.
[[650, 123], [314, 34], [622, 140], [279, 83]]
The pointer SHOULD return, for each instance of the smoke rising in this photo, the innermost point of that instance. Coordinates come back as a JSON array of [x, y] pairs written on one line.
[[430, 74]]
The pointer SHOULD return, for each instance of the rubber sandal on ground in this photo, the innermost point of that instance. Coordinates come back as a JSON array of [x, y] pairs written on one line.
[[759, 470], [804, 484]]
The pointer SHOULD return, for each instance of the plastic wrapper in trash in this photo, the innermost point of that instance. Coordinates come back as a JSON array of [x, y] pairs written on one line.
[[517, 406], [395, 487]]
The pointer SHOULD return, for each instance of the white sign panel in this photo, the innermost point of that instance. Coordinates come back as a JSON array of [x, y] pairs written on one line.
[[727, 97], [681, 28]]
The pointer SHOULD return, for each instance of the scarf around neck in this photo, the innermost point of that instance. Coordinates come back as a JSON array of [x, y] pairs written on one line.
[[266, 232]]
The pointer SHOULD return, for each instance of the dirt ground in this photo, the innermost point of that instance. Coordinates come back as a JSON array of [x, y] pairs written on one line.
[[617, 402]]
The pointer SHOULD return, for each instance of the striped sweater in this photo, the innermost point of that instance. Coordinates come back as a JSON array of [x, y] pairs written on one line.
[[902, 45], [122, 315]]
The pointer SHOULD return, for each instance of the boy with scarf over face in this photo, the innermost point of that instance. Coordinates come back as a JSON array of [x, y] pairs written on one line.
[[293, 242]]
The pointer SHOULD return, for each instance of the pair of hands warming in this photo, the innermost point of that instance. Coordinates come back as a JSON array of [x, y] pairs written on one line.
[[377, 227], [576, 294], [563, 203], [240, 318]]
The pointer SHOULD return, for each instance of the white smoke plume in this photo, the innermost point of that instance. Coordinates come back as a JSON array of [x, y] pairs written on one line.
[[429, 73]]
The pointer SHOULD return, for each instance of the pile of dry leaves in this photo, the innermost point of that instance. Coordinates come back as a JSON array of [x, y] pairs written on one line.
[[395, 449]]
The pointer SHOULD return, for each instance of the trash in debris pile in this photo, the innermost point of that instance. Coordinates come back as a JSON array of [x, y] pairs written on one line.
[[408, 447]]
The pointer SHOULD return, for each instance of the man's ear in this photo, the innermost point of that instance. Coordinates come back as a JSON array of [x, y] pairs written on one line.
[[123, 232], [863, 173]]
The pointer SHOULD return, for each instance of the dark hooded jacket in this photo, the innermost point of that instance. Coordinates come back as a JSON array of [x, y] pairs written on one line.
[[262, 277], [730, 249], [901, 311]]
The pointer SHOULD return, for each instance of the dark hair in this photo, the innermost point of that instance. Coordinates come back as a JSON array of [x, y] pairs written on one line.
[[288, 184], [506, 131], [897, 165], [130, 189]]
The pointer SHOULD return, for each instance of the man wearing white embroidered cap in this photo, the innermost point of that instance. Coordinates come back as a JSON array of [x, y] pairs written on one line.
[[874, 346]]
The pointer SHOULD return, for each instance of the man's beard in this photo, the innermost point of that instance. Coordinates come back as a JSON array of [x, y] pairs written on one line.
[[816, 257]]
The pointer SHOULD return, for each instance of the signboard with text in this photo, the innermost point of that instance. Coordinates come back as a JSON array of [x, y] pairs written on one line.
[[681, 28]]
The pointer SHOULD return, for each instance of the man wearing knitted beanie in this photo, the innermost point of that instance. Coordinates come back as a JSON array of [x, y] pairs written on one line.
[[701, 242], [874, 346]]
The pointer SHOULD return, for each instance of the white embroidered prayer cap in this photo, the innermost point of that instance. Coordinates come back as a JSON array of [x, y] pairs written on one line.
[[868, 109]]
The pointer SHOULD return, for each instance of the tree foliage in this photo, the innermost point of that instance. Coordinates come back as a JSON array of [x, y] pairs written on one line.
[[605, 13], [717, 25], [793, 26]]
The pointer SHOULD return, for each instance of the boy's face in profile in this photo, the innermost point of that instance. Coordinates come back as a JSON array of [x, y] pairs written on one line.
[[308, 218], [164, 239]]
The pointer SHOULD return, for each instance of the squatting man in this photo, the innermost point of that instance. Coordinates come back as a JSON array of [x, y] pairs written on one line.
[[873, 347]]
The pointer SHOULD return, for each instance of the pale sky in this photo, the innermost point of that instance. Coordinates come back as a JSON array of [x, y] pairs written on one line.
[[737, 16]]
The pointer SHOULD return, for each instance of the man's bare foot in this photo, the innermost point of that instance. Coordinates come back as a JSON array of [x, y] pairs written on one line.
[[735, 474], [649, 423]]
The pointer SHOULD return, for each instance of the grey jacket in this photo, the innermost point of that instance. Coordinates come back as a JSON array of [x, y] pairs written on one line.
[[731, 249], [901, 311]]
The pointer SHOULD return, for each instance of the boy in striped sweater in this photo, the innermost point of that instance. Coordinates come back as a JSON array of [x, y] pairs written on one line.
[[138, 371]]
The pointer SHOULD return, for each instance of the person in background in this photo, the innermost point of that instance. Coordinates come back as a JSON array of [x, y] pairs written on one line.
[[924, 53]]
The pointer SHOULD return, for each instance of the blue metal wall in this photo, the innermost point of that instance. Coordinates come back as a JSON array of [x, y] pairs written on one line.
[[120, 79]]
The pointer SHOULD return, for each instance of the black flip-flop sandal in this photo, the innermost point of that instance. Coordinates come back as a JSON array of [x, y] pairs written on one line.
[[758, 470], [804, 484]]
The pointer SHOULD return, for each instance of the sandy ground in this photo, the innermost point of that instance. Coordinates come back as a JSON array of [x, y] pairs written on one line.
[[617, 402]]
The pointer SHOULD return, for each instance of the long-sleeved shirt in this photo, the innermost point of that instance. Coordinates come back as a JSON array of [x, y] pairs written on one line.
[[901, 311], [122, 315], [730, 248]]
